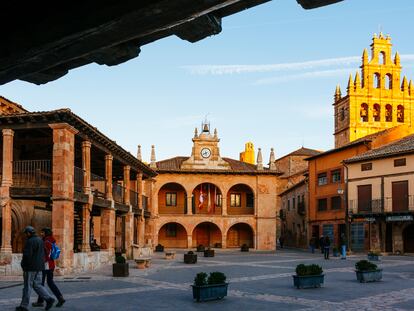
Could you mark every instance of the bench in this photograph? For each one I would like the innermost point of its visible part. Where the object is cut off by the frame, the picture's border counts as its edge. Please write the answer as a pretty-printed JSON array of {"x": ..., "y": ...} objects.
[
  {"x": 143, "y": 263},
  {"x": 169, "y": 255}
]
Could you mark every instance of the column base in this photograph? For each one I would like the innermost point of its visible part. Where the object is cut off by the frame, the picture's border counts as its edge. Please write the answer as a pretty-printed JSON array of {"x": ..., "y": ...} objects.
[
  {"x": 5, "y": 256},
  {"x": 85, "y": 248}
]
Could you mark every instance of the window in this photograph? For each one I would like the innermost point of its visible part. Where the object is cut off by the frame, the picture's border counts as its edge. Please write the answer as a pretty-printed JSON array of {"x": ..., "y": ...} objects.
[
  {"x": 235, "y": 199},
  {"x": 400, "y": 113},
  {"x": 322, "y": 179},
  {"x": 366, "y": 166},
  {"x": 171, "y": 230},
  {"x": 288, "y": 205},
  {"x": 219, "y": 200},
  {"x": 377, "y": 80},
  {"x": 336, "y": 176},
  {"x": 171, "y": 199},
  {"x": 400, "y": 162},
  {"x": 293, "y": 203},
  {"x": 376, "y": 113},
  {"x": 298, "y": 200},
  {"x": 249, "y": 200},
  {"x": 336, "y": 203},
  {"x": 322, "y": 205},
  {"x": 363, "y": 113},
  {"x": 388, "y": 113},
  {"x": 388, "y": 81},
  {"x": 364, "y": 198},
  {"x": 382, "y": 58}
]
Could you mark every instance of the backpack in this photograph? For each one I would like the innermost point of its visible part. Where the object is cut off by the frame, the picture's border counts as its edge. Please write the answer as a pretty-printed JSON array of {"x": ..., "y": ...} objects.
[{"x": 55, "y": 251}]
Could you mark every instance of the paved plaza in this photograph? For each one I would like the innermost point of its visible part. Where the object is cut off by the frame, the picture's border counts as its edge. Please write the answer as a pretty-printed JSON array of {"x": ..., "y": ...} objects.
[{"x": 258, "y": 281}]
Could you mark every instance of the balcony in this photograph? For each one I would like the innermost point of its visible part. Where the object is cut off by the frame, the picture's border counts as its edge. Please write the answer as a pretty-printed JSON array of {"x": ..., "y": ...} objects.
[
  {"x": 118, "y": 193},
  {"x": 31, "y": 178},
  {"x": 366, "y": 206},
  {"x": 301, "y": 208}
]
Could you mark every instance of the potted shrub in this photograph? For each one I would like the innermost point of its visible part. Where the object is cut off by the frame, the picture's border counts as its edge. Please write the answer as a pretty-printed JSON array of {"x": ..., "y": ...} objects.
[
  {"x": 374, "y": 255},
  {"x": 367, "y": 271},
  {"x": 201, "y": 248},
  {"x": 213, "y": 287},
  {"x": 120, "y": 268},
  {"x": 209, "y": 252},
  {"x": 190, "y": 257},
  {"x": 244, "y": 248},
  {"x": 159, "y": 248},
  {"x": 308, "y": 276},
  {"x": 335, "y": 251}
]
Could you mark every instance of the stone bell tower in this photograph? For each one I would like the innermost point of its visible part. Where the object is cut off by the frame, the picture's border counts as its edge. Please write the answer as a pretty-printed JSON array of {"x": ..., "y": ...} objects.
[
  {"x": 205, "y": 153},
  {"x": 377, "y": 99}
]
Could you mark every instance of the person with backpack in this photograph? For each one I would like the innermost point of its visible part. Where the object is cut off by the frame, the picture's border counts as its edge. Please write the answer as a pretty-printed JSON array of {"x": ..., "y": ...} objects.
[
  {"x": 32, "y": 263},
  {"x": 51, "y": 253}
]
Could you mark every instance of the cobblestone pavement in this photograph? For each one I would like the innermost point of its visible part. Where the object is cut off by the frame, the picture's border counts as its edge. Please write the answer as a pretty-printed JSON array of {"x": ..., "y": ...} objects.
[{"x": 258, "y": 281}]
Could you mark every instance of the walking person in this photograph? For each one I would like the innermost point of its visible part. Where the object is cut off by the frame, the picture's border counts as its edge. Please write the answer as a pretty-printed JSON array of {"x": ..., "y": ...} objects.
[
  {"x": 47, "y": 273},
  {"x": 321, "y": 241},
  {"x": 326, "y": 245},
  {"x": 312, "y": 243},
  {"x": 343, "y": 246},
  {"x": 32, "y": 264}
]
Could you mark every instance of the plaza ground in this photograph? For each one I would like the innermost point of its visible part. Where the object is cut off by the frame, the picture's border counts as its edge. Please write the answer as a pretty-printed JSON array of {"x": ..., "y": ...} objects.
[{"x": 258, "y": 281}]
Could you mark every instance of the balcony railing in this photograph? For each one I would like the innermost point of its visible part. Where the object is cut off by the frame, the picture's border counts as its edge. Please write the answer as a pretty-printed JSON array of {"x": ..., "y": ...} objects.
[
  {"x": 399, "y": 204},
  {"x": 133, "y": 198},
  {"x": 366, "y": 206},
  {"x": 32, "y": 174},
  {"x": 118, "y": 192},
  {"x": 78, "y": 179},
  {"x": 145, "y": 203},
  {"x": 98, "y": 185}
]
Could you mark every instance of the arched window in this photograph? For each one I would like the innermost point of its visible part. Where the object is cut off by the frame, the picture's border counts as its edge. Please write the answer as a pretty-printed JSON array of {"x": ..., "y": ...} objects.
[
  {"x": 377, "y": 80},
  {"x": 400, "y": 113},
  {"x": 388, "y": 113},
  {"x": 388, "y": 81},
  {"x": 376, "y": 113},
  {"x": 382, "y": 58},
  {"x": 364, "y": 113}
]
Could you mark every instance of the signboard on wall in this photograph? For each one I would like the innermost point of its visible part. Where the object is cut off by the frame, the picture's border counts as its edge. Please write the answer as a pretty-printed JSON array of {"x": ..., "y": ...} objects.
[{"x": 399, "y": 218}]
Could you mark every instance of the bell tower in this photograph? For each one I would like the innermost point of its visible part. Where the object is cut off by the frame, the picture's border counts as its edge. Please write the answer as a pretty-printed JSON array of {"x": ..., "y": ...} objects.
[{"x": 376, "y": 99}]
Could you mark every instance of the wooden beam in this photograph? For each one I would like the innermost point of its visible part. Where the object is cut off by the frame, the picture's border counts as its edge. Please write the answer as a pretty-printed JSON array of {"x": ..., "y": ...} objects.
[
  {"x": 313, "y": 4},
  {"x": 200, "y": 28}
]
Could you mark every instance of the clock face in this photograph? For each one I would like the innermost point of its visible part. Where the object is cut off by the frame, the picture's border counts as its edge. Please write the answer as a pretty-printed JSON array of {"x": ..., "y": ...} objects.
[{"x": 205, "y": 153}]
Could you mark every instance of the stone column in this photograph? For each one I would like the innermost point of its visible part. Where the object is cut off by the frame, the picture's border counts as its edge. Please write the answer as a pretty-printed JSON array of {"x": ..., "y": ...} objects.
[
  {"x": 129, "y": 233},
  {"x": 86, "y": 228},
  {"x": 63, "y": 191},
  {"x": 189, "y": 241},
  {"x": 108, "y": 176},
  {"x": 190, "y": 205},
  {"x": 5, "y": 204},
  {"x": 108, "y": 229},
  {"x": 86, "y": 166},
  {"x": 139, "y": 189},
  {"x": 224, "y": 205},
  {"x": 141, "y": 231},
  {"x": 127, "y": 170},
  {"x": 224, "y": 241}
]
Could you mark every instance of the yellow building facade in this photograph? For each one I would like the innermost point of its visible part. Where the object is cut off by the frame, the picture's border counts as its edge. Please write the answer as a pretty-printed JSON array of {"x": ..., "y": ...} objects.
[
  {"x": 376, "y": 99},
  {"x": 248, "y": 155}
]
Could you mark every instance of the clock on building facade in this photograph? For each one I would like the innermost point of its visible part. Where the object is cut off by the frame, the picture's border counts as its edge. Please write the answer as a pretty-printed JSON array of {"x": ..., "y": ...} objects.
[{"x": 205, "y": 153}]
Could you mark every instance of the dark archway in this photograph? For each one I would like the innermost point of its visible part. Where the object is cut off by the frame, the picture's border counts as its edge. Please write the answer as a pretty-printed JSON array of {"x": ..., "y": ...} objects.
[
  {"x": 207, "y": 234},
  {"x": 173, "y": 235},
  {"x": 240, "y": 234},
  {"x": 408, "y": 238}
]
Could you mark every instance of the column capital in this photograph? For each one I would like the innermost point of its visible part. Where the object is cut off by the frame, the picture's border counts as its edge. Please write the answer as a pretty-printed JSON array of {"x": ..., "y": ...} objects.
[
  {"x": 8, "y": 132},
  {"x": 109, "y": 157},
  {"x": 86, "y": 144},
  {"x": 127, "y": 167},
  {"x": 63, "y": 126}
]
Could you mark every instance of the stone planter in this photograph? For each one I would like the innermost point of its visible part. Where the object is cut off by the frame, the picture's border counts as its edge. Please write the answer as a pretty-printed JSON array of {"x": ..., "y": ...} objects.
[
  {"x": 374, "y": 257},
  {"x": 209, "y": 253},
  {"x": 143, "y": 263},
  {"x": 308, "y": 281},
  {"x": 209, "y": 292},
  {"x": 159, "y": 248},
  {"x": 120, "y": 269},
  {"x": 369, "y": 276},
  {"x": 244, "y": 248},
  {"x": 190, "y": 258},
  {"x": 200, "y": 248},
  {"x": 169, "y": 255}
]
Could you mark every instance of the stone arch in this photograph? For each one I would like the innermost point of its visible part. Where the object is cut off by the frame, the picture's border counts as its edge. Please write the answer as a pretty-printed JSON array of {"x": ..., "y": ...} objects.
[
  {"x": 376, "y": 113},
  {"x": 239, "y": 234},
  {"x": 400, "y": 113},
  {"x": 388, "y": 113},
  {"x": 408, "y": 238},
  {"x": 388, "y": 81},
  {"x": 377, "y": 80},
  {"x": 382, "y": 58},
  {"x": 207, "y": 198},
  {"x": 173, "y": 234},
  {"x": 363, "y": 113},
  {"x": 172, "y": 198},
  {"x": 208, "y": 234},
  {"x": 21, "y": 217},
  {"x": 240, "y": 199}
]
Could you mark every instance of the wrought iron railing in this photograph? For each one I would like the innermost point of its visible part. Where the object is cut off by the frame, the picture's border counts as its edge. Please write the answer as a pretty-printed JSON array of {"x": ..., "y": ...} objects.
[
  {"x": 118, "y": 192},
  {"x": 98, "y": 185},
  {"x": 399, "y": 204},
  {"x": 32, "y": 174},
  {"x": 133, "y": 198},
  {"x": 366, "y": 206},
  {"x": 78, "y": 179}
]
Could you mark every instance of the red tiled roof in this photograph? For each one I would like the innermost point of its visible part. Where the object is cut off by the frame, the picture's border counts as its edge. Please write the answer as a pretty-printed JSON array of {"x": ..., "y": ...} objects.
[{"x": 302, "y": 152}]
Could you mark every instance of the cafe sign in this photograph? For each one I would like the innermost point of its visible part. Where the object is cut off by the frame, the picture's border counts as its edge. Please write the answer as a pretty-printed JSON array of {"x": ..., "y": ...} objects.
[{"x": 399, "y": 218}]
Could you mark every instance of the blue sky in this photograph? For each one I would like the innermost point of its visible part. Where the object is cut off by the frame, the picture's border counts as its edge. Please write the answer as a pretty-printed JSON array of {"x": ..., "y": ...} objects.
[{"x": 269, "y": 77}]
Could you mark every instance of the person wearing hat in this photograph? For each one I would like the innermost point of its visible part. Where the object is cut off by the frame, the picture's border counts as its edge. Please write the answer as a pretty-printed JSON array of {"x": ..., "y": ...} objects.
[
  {"x": 47, "y": 273},
  {"x": 33, "y": 263}
]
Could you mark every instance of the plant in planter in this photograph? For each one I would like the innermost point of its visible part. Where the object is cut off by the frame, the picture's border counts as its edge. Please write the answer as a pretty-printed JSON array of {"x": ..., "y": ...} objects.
[
  {"x": 335, "y": 251},
  {"x": 244, "y": 248},
  {"x": 374, "y": 255},
  {"x": 209, "y": 288},
  {"x": 367, "y": 271},
  {"x": 201, "y": 248},
  {"x": 308, "y": 276},
  {"x": 190, "y": 257},
  {"x": 209, "y": 252},
  {"x": 159, "y": 248},
  {"x": 120, "y": 268}
]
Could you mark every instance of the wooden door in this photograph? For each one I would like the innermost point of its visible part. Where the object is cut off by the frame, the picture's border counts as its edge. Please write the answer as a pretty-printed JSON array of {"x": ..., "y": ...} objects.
[
  {"x": 203, "y": 235},
  {"x": 400, "y": 196},
  {"x": 364, "y": 198},
  {"x": 233, "y": 239}
]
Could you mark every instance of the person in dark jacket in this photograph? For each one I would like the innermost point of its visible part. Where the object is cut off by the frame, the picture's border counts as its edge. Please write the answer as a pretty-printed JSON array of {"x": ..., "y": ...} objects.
[
  {"x": 47, "y": 273},
  {"x": 321, "y": 240},
  {"x": 326, "y": 246},
  {"x": 32, "y": 264}
]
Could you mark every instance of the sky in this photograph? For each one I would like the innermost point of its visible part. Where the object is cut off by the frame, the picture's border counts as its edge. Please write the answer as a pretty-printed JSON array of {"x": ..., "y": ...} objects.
[{"x": 268, "y": 77}]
